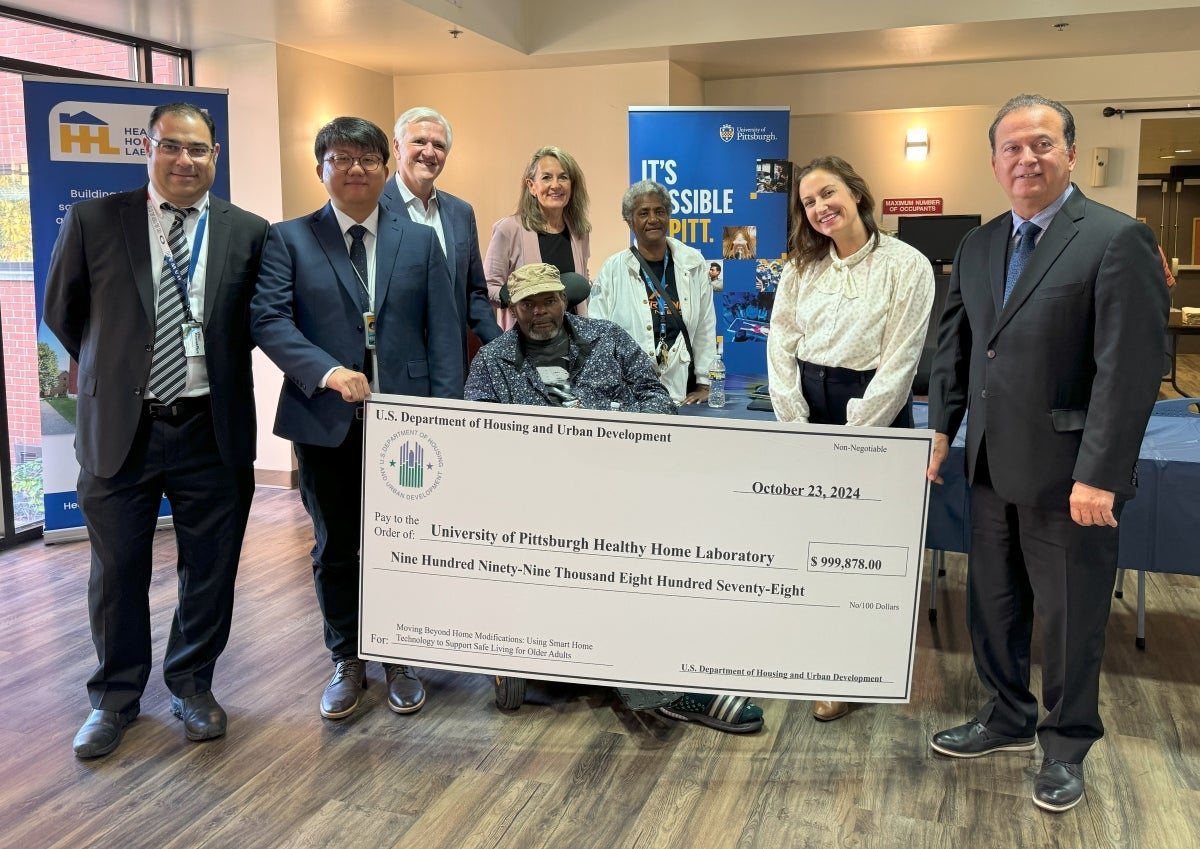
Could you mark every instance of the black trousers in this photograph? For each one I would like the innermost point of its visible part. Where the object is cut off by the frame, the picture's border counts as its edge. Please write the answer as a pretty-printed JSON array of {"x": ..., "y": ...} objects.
[
  {"x": 331, "y": 491},
  {"x": 1032, "y": 564},
  {"x": 828, "y": 390},
  {"x": 210, "y": 503}
]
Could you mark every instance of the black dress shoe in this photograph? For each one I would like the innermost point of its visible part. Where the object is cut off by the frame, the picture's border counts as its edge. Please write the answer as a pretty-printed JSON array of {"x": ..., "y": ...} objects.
[
  {"x": 102, "y": 731},
  {"x": 973, "y": 740},
  {"x": 203, "y": 718},
  {"x": 1058, "y": 786},
  {"x": 341, "y": 695},
  {"x": 406, "y": 693}
]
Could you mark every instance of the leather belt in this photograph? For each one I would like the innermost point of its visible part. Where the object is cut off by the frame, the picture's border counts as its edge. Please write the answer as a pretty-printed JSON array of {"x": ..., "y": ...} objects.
[{"x": 178, "y": 410}]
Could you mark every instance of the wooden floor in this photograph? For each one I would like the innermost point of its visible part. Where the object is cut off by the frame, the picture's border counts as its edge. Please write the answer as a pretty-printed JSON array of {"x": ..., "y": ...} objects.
[{"x": 572, "y": 768}]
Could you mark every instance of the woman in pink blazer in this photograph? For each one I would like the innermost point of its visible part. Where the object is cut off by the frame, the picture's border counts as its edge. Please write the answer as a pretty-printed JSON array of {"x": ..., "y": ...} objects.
[{"x": 550, "y": 225}]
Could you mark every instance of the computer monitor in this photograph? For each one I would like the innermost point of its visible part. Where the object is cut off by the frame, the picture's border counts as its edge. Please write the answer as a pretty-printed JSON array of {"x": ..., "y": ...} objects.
[{"x": 936, "y": 236}]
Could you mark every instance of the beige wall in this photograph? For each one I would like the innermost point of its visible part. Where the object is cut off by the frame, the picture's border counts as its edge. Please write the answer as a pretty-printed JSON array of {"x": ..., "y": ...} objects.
[
  {"x": 685, "y": 88},
  {"x": 312, "y": 91},
  {"x": 500, "y": 119}
]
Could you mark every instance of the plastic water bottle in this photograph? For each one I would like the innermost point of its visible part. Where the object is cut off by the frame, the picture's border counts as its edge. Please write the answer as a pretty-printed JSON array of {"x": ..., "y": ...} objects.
[{"x": 716, "y": 378}]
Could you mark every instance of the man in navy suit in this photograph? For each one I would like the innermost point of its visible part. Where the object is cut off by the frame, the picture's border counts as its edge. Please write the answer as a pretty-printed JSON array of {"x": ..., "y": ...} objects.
[
  {"x": 351, "y": 299},
  {"x": 166, "y": 407},
  {"x": 1050, "y": 337},
  {"x": 422, "y": 140}
]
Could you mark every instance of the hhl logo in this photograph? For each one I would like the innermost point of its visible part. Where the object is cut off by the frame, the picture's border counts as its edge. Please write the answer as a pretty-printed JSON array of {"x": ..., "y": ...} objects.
[
  {"x": 84, "y": 133},
  {"x": 89, "y": 131}
]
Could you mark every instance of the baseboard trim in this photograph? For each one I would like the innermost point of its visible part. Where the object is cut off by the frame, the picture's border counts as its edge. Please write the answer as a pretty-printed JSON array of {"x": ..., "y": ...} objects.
[{"x": 276, "y": 478}]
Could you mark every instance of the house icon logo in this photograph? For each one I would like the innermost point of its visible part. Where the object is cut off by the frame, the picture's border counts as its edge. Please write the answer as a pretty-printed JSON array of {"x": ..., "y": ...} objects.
[
  {"x": 112, "y": 133},
  {"x": 83, "y": 132}
]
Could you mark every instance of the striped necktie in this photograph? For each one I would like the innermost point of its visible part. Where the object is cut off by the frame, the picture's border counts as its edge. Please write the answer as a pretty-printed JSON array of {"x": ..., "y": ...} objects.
[{"x": 168, "y": 366}]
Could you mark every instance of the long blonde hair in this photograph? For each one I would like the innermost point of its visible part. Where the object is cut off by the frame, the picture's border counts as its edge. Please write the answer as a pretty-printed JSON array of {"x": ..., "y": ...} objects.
[{"x": 576, "y": 212}]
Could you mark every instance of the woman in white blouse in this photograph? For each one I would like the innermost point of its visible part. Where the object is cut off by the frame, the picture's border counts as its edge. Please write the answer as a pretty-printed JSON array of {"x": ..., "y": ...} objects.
[{"x": 850, "y": 315}]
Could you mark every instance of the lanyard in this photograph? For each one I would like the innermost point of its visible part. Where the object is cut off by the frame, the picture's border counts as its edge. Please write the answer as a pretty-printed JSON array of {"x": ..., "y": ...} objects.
[
  {"x": 181, "y": 284},
  {"x": 362, "y": 284},
  {"x": 657, "y": 289}
]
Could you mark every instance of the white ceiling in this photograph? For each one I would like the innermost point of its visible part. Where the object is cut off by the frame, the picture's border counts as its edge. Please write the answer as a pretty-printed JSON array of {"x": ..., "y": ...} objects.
[{"x": 714, "y": 39}]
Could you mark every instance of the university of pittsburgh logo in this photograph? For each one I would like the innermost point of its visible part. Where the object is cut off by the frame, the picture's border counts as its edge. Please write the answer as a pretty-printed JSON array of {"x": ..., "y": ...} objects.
[
  {"x": 410, "y": 464},
  {"x": 726, "y": 132}
]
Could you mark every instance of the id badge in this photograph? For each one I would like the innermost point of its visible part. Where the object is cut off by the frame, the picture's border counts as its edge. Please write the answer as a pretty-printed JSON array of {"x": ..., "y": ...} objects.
[
  {"x": 369, "y": 330},
  {"x": 193, "y": 339}
]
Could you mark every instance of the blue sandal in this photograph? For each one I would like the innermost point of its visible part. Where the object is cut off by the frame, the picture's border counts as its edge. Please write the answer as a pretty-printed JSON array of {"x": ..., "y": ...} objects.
[{"x": 731, "y": 714}]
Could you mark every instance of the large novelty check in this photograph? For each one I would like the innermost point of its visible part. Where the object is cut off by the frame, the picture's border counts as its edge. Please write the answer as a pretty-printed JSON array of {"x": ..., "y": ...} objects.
[{"x": 646, "y": 551}]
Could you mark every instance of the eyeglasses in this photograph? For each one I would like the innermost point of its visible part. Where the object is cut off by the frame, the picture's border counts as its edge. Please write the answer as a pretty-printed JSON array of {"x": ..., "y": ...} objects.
[
  {"x": 198, "y": 152},
  {"x": 1039, "y": 148},
  {"x": 342, "y": 162}
]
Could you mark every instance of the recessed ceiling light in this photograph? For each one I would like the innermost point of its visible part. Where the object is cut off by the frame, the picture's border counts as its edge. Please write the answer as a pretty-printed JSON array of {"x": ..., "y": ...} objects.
[
  {"x": 1185, "y": 150},
  {"x": 1172, "y": 156}
]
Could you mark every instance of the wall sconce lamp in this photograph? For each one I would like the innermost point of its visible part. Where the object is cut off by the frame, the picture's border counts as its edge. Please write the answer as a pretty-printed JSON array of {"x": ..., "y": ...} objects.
[{"x": 916, "y": 144}]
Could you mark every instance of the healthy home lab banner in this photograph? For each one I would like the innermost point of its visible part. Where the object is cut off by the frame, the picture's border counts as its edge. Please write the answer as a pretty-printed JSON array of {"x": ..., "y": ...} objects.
[
  {"x": 728, "y": 175},
  {"x": 85, "y": 140}
]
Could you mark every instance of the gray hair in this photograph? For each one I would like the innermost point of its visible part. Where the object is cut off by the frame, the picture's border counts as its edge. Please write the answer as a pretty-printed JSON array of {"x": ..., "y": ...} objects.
[
  {"x": 423, "y": 113},
  {"x": 1028, "y": 101},
  {"x": 638, "y": 191}
]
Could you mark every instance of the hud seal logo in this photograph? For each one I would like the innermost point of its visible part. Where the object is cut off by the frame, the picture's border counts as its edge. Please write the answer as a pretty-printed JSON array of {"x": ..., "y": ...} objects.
[
  {"x": 410, "y": 464},
  {"x": 726, "y": 132}
]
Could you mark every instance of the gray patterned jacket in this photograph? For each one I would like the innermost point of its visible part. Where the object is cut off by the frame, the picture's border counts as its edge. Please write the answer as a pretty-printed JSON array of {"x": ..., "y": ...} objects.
[{"x": 606, "y": 366}]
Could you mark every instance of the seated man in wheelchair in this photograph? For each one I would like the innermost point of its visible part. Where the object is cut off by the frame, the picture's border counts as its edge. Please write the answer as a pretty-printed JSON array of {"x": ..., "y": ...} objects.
[{"x": 553, "y": 358}]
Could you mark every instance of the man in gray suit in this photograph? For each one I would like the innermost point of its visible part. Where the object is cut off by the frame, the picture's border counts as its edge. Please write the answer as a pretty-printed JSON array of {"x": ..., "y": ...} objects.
[
  {"x": 422, "y": 139},
  {"x": 149, "y": 291},
  {"x": 351, "y": 299},
  {"x": 1050, "y": 337}
]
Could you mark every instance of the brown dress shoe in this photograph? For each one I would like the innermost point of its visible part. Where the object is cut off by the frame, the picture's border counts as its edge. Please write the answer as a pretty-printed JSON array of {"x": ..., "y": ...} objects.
[
  {"x": 341, "y": 695},
  {"x": 826, "y": 711},
  {"x": 406, "y": 693}
]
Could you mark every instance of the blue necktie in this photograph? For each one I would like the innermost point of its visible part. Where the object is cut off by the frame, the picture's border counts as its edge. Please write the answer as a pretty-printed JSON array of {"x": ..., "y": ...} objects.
[{"x": 1027, "y": 234}]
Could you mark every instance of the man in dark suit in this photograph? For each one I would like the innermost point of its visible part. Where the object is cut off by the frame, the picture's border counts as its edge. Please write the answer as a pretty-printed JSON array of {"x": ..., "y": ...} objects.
[
  {"x": 422, "y": 139},
  {"x": 1050, "y": 337},
  {"x": 351, "y": 299},
  {"x": 150, "y": 291}
]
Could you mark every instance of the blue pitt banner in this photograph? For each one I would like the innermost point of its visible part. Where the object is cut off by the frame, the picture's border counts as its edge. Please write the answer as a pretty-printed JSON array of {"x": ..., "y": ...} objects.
[
  {"x": 728, "y": 175},
  {"x": 85, "y": 140}
]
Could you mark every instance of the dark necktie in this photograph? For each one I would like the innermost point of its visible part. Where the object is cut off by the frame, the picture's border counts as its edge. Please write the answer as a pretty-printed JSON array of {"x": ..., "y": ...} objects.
[
  {"x": 1027, "y": 240},
  {"x": 168, "y": 365},
  {"x": 358, "y": 258}
]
